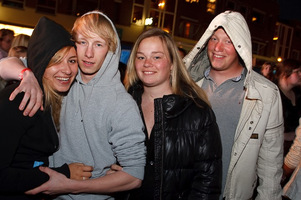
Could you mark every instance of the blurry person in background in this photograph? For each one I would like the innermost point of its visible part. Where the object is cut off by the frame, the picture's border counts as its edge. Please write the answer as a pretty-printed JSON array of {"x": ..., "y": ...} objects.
[
  {"x": 20, "y": 40},
  {"x": 19, "y": 46},
  {"x": 291, "y": 168},
  {"x": 18, "y": 51},
  {"x": 182, "y": 52},
  {"x": 6, "y": 39},
  {"x": 288, "y": 78},
  {"x": 267, "y": 70}
]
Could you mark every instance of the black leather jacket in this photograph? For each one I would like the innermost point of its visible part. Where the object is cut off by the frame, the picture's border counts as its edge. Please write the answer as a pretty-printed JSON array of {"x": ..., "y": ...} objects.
[{"x": 187, "y": 149}]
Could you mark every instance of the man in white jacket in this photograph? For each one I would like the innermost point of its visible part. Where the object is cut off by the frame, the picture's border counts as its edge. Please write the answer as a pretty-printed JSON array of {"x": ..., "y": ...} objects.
[{"x": 247, "y": 107}]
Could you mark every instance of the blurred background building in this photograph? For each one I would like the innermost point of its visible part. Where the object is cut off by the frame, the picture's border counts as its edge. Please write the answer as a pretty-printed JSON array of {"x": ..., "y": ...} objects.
[{"x": 185, "y": 20}]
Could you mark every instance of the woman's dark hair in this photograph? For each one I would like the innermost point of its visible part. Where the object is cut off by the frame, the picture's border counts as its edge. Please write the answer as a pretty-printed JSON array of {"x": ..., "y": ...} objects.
[{"x": 286, "y": 68}]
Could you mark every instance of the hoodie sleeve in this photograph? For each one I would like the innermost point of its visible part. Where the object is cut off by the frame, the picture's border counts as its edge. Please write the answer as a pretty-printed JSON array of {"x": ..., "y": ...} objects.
[{"x": 127, "y": 138}]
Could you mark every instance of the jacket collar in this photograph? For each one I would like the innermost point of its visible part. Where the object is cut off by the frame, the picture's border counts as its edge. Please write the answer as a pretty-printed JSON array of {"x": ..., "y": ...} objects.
[{"x": 173, "y": 105}]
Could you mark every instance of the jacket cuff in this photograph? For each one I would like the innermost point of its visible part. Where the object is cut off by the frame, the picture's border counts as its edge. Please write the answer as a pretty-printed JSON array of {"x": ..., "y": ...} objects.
[{"x": 64, "y": 169}]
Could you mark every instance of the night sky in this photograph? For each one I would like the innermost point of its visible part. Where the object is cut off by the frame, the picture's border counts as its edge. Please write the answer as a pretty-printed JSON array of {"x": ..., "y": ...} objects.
[{"x": 290, "y": 9}]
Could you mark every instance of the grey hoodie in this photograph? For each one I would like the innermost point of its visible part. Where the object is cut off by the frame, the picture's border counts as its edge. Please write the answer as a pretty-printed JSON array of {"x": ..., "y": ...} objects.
[{"x": 101, "y": 124}]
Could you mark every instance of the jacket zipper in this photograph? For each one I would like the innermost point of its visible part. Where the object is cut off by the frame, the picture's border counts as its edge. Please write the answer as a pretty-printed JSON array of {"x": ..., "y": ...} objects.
[{"x": 163, "y": 147}]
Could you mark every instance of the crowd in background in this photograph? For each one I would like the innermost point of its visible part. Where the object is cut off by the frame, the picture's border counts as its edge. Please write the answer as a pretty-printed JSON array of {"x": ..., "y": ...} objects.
[{"x": 11, "y": 45}]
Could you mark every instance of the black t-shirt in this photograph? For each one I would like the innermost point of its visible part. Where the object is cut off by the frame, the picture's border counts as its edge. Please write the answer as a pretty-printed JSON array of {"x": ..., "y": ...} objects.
[{"x": 146, "y": 191}]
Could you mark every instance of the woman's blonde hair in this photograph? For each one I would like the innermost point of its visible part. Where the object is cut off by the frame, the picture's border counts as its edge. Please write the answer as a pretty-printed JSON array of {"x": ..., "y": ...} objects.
[
  {"x": 19, "y": 46},
  {"x": 181, "y": 82},
  {"x": 20, "y": 40},
  {"x": 17, "y": 51},
  {"x": 53, "y": 99},
  {"x": 95, "y": 22}
]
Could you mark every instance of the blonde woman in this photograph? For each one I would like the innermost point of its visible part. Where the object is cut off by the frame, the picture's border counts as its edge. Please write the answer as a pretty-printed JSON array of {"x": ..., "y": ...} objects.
[
  {"x": 289, "y": 82},
  {"x": 183, "y": 141}
]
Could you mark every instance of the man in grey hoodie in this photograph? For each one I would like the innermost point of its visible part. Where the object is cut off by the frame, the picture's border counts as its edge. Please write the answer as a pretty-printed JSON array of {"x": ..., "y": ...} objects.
[
  {"x": 247, "y": 106},
  {"x": 100, "y": 122}
]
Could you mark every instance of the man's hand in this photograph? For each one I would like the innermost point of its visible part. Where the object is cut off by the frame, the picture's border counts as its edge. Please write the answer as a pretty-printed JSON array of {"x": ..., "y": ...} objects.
[
  {"x": 33, "y": 93},
  {"x": 79, "y": 171},
  {"x": 57, "y": 184}
]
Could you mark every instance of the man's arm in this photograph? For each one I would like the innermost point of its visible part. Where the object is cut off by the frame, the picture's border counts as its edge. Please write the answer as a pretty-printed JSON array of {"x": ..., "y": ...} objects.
[
  {"x": 10, "y": 69},
  {"x": 60, "y": 184},
  {"x": 293, "y": 157}
]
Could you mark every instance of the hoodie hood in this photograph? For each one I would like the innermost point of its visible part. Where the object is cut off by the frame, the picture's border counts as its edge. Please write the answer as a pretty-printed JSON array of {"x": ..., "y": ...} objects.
[
  {"x": 237, "y": 29},
  {"x": 108, "y": 73},
  {"x": 47, "y": 38}
]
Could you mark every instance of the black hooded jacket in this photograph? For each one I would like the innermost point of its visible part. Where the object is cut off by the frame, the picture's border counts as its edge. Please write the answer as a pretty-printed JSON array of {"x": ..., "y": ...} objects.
[{"x": 27, "y": 142}]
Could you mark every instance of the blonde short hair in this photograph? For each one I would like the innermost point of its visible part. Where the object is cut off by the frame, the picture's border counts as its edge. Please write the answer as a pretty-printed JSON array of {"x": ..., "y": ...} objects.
[
  {"x": 20, "y": 40},
  {"x": 95, "y": 22}
]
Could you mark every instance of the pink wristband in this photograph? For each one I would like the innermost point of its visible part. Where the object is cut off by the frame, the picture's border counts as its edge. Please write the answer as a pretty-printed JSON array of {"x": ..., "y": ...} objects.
[{"x": 22, "y": 72}]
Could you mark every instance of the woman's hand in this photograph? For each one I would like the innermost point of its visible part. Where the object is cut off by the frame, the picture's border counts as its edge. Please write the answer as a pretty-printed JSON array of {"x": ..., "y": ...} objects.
[
  {"x": 114, "y": 168},
  {"x": 33, "y": 93},
  {"x": 79, "y": 171}
]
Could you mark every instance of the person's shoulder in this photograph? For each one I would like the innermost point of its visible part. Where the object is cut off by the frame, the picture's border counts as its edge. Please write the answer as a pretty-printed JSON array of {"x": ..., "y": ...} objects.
[
  {"x": 199, "y": 107},
  {"x": 10, "y": 109},
  {"x": 121, "y": 98},
  {"x": 264, "y": 82},
  {"x": 122, "y": 94}
]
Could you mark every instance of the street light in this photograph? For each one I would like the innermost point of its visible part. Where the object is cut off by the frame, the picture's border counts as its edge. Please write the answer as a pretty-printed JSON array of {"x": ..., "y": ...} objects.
[
  {"x": 148, "y": 21},
  {"x": 279, "y": 59},
  {"x": 161, "y": 5}
]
